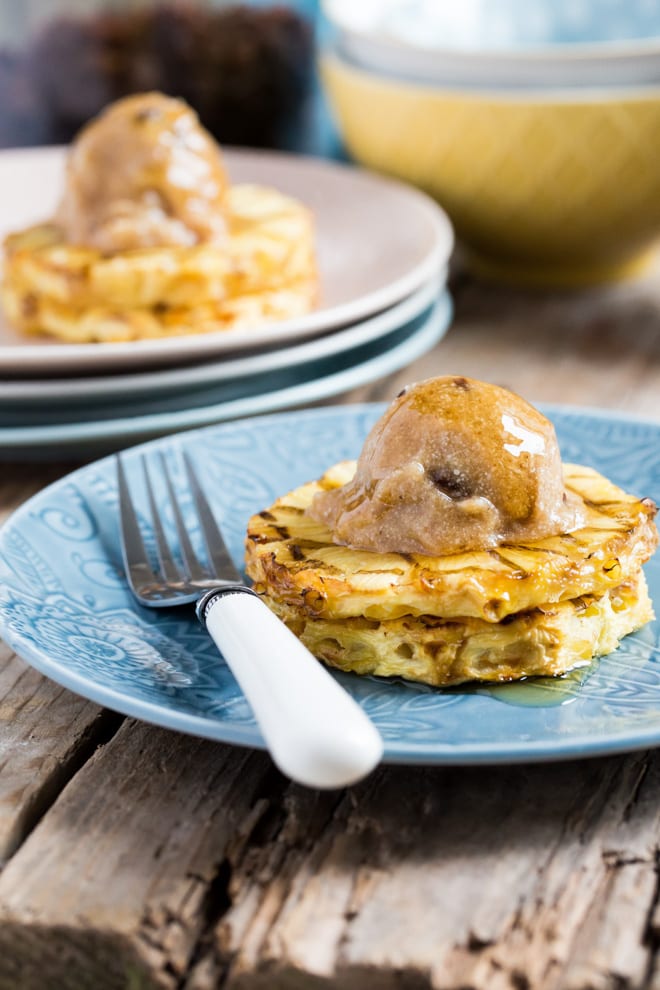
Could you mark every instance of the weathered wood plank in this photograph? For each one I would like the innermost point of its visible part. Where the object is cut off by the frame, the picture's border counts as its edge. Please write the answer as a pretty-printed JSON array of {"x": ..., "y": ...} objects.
[
  {"x": 117, "y": 884},
  {"x": 541, "y": 877},
  {"x": 393, "y": 874},
  {"x": 46, "y": 734}
]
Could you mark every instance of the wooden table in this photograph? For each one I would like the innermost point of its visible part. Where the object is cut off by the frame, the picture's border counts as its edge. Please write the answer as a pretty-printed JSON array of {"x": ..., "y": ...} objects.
[{"x": 138, "y": 858}]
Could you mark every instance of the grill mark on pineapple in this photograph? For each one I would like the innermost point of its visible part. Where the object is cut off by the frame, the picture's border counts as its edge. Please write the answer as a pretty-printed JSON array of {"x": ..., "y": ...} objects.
[
  {"x": 516, "y": 568},
  {"x": 306, "y": 547},
  {"x": 531, "y": 548},
  {"x": 602, "y": 506},
  {"x": 307, "y": 563},
  {"x": 260, "y": 538}
]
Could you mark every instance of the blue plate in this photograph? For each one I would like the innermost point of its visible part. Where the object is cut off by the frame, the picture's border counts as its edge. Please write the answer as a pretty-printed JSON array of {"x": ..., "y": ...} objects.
[{"x": 65, "y": 607}]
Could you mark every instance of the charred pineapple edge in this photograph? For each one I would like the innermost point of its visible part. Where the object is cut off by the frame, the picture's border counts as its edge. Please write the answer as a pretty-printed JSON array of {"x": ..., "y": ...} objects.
[{"x": 546, "y": 641}]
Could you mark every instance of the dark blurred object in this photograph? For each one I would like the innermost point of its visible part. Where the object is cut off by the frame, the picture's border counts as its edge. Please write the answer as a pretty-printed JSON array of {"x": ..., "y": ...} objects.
[
  {"x": 22, "y": 120},
  {"x": 249, "y": 72}
]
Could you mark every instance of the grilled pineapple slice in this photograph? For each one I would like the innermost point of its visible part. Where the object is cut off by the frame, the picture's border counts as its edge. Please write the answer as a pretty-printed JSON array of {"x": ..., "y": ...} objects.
[
  {"x": 265, "y": 271},
  {"x": 544, "y": 641},
  {"x": 40, "y": 314},
  {"x": 293, "y": 560}
]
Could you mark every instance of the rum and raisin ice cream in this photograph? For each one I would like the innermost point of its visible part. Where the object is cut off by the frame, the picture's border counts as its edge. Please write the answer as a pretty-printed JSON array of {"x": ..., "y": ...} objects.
[
  {"x": 144, "y": 174},
  {"x": 453, "y": 465}
]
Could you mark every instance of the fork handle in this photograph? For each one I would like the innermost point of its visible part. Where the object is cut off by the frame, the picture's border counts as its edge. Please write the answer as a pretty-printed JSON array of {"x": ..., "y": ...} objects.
[{"x": 316, "y": 733}]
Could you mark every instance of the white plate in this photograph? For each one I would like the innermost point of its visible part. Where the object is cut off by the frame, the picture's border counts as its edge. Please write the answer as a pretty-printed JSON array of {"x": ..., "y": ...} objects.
[
  {"x": 377, "y": 240},
  {"x": 330, "y": 376},
  {"x": 21, "y": 394}
]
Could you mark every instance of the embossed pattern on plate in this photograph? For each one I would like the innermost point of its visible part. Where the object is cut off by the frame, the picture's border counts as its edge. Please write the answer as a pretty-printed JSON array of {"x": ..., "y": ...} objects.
[{"x": 65, "y": 607}]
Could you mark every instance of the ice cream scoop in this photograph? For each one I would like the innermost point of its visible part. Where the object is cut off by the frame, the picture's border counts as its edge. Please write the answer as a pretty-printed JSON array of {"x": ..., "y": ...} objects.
[
  {"x": 453, "y": 465},
  {"x": 144, "y": 174}
]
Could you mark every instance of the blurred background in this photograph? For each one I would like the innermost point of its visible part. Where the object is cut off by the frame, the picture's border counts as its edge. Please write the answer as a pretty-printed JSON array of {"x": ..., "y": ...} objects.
[
  {"x": 248, "y": 69},
  {"x": 536, "y": 124}
]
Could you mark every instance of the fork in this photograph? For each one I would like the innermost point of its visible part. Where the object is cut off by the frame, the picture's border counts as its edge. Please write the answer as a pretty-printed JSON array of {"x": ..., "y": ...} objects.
[{"x": 315, "y": 732}]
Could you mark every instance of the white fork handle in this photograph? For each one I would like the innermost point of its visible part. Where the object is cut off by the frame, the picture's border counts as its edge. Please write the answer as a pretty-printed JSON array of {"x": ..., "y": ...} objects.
[{"x": 316, "y": 733}]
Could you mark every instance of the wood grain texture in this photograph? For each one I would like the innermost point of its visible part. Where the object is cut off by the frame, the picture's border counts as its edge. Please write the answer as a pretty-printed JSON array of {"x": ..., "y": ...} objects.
[
  {"x": 116, "y": 885},
  {"x": 443, "y": 879},
  {"x": 46, "y": 734},
  {"x": 138, "y": 858},
  {"x": 196, "y": 866}
]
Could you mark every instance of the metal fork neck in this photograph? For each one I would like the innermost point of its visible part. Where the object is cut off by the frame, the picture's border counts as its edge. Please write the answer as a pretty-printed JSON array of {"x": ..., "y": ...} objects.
[{"x": 206, "y": 602}]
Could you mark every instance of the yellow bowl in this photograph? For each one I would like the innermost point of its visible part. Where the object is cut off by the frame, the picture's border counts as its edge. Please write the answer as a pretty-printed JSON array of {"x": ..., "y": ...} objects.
[{"x": 556, "y": 188}]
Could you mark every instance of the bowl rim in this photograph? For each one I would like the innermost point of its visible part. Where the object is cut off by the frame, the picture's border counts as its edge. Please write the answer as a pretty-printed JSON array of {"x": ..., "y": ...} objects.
[
  {"x": 629, "y": 49},
  {"x": 544, "y": 94}
]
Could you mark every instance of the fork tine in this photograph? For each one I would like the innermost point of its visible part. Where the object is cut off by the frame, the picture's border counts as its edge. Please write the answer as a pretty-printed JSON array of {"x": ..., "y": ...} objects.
[
  {"x": 136, "y": 559},
  {"x": 195, "y": 570},
  {"x": 216, "y": 548},
  {"x": 169, "y": 568}
]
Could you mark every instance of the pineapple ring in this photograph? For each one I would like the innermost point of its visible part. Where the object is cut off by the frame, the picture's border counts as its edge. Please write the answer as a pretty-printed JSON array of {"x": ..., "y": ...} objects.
[
  {"x": 544, "y": 641},
  {"x": 292, "y": 559},
  {"x": 58, "y": 288}
]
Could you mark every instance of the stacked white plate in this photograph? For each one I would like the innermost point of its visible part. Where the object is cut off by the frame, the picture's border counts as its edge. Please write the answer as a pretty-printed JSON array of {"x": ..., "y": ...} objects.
[{"x": 382, "y": 249}]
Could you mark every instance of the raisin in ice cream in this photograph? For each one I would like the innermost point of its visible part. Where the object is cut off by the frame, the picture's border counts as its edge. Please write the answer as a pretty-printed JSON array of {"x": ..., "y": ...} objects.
[
  {"x": 144, "y": 174},
  {"x": 453, "y": 465}
]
